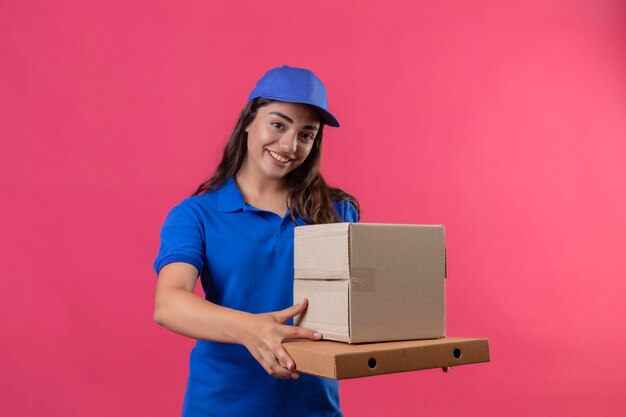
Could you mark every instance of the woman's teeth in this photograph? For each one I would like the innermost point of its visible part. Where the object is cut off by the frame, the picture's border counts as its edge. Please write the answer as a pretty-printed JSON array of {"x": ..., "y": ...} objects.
[{"x": 278, "y": 157}]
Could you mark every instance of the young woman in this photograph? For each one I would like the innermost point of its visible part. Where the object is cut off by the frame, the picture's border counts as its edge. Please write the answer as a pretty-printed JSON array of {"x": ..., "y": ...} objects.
[{"x": 236, "y": 232}]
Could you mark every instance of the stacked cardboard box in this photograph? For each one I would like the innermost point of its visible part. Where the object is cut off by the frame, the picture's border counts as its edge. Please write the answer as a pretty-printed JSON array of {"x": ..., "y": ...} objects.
[{"x": 369, "y": 282}]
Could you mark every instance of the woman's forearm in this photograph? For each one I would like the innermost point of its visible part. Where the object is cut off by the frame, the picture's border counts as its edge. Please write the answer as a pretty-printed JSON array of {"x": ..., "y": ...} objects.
[
  {"x": 183, "y": 312},
  {"x": 187, "y": 314}
]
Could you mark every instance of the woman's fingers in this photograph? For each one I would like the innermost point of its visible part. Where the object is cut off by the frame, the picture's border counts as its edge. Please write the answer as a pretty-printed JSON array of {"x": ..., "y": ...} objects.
[
  {"x": 294, "y": 332},
  {"x": 285, "y": 315},
  {"x": 275, "y": 365},
  {"x": 284, "y": 360}
]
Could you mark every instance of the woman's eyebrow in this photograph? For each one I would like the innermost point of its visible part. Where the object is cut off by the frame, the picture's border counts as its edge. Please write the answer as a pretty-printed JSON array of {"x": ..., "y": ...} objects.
[{"x": 287, "y": 118}]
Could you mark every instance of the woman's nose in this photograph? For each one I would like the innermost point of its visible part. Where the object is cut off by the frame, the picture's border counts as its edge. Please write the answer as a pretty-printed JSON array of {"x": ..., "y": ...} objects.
[{"x": 289, "y": 142}]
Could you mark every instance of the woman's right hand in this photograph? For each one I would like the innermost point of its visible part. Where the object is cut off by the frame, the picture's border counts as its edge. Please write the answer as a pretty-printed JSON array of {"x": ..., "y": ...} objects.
[{"x": 264, "y": 334}]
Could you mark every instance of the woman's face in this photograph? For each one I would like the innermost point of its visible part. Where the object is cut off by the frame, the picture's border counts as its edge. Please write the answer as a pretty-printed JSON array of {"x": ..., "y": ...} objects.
[{"x": 280, "y": 138}]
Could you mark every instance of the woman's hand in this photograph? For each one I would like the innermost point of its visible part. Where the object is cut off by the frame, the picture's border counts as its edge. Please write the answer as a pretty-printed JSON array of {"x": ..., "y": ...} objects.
[{"x": 264, "y": 334}]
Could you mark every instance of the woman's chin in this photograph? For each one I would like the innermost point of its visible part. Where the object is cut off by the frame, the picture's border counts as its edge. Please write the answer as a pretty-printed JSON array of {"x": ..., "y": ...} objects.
[
  {"x": 274, "y": 174},
  {"x": 275, "y": 171}
]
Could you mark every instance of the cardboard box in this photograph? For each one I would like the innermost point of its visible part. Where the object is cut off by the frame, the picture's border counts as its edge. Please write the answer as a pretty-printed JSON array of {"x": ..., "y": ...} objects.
[
  {"x": 371, "y": 282},
  {"x": 336, "y": 360}
]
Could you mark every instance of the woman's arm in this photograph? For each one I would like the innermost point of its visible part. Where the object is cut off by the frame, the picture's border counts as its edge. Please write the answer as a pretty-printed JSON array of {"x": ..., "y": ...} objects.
[{"x": 178, "y": 309}]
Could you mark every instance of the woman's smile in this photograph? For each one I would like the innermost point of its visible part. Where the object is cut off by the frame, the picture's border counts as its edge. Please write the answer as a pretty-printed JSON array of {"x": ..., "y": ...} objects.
[{"x": 278, "y": 158}]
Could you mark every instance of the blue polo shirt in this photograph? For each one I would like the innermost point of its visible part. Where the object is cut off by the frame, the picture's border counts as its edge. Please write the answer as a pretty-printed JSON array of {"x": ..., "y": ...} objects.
[{"x": 244, "y": 256}]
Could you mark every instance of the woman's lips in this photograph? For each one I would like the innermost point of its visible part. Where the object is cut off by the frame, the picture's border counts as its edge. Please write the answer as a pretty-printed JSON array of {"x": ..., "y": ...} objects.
[{"x": 278, "y": 158}]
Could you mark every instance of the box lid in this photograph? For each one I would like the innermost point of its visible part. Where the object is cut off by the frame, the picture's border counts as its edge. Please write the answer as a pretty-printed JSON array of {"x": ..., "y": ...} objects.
[{"x": 337, "y": 360}]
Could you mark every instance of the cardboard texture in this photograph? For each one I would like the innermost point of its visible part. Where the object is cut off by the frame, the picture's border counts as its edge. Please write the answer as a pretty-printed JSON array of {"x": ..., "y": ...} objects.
[
  {"x": 371, "y": 282},
  {"x": 337, "y": 360}
]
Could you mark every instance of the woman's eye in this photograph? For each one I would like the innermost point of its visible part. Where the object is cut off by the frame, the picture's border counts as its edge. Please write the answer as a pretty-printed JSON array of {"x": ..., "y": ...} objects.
[
  {"x": 307, "y": 136},
  {"x": 277, "y": 125}
]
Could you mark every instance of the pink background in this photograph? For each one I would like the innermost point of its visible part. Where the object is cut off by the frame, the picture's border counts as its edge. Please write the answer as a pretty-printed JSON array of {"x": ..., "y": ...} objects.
[{"x": 504, "y": 121}]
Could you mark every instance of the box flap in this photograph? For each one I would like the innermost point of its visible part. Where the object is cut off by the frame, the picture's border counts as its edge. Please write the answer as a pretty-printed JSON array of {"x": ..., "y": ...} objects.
[{"x": 321, "y": 251}]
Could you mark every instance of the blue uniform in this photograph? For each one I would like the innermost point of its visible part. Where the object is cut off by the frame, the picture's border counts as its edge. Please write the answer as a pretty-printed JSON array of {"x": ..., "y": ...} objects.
[{"x": 245, "y": 258}]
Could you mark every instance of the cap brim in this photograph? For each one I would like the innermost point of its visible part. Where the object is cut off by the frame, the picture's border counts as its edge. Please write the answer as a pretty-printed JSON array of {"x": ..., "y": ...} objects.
[{"x": 327, "y": 118}]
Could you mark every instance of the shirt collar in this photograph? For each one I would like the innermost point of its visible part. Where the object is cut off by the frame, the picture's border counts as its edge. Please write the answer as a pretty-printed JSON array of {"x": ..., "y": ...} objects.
[{"x": 229, "y": 198}]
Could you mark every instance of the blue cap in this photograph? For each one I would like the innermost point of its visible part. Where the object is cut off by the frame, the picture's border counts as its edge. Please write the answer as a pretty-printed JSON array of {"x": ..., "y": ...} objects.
[{"x": 295, "y": 85}]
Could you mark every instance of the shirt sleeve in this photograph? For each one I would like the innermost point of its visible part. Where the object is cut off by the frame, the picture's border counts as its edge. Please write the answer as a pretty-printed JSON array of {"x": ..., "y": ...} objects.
[
  {"x": 182, "y": 238},
  {"x": 348, "y": 212}
]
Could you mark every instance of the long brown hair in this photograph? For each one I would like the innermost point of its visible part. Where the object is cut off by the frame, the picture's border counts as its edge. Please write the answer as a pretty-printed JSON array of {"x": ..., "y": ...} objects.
[{"x": 309, "y": 196}]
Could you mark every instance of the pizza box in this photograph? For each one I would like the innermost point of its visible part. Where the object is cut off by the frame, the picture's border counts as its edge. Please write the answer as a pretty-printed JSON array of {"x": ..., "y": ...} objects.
[{"x": 339, "y": 360}]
